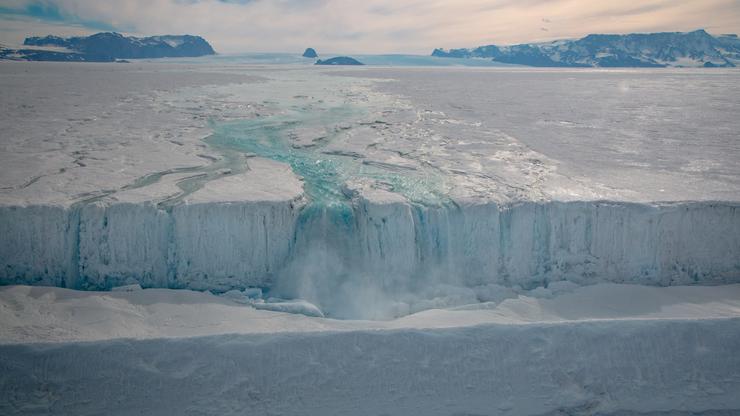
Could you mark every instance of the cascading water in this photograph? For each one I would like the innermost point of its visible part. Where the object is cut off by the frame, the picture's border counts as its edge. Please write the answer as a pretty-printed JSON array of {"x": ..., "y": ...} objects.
[{"x": 340, "y": 251}]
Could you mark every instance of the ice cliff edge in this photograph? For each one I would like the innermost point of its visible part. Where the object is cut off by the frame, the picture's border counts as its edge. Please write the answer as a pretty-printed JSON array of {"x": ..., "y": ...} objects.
[{"x": 318, "y": 254}]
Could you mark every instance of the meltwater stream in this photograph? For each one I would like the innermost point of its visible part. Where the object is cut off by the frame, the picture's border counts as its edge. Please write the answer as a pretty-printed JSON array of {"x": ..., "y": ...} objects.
[
  {"x": 332, "y": 262},
  {"x": 300, "y": 139}
]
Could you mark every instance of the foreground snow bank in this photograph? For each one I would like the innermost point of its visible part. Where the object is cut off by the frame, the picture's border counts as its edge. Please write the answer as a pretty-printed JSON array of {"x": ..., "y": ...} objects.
[
  {"x": 32, "y": 314},
  {"x": 372, "y": 259},
  {"x": 583, "y": 368},
  {"x": 601, "y": 349}
]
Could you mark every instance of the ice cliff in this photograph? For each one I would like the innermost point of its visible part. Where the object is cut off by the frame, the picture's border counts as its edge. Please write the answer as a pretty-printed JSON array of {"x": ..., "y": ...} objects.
[{"x": 376, "y": 248}]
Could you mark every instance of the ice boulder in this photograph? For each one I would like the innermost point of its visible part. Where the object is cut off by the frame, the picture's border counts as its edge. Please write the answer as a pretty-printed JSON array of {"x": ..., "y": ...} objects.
[{"x": 297, "y": 306}]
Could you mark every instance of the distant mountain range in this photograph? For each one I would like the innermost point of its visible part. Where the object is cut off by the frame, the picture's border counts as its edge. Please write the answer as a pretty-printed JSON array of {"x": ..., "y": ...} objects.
[
  {"x": 108, "y": 47},
  {"x": 671, "y": 49}
]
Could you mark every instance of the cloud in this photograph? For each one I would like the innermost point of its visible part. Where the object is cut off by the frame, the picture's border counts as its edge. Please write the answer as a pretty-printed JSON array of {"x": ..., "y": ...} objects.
[
  {"x": 367, "y": 26},
  {"x": 47, "y": 11}
]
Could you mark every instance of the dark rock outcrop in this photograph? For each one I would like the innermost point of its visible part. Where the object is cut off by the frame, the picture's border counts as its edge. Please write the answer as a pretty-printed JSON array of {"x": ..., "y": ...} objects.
[
  {"x": 45, "y": 55},
  {"x": 108, "y": 46},
  {"x": 339, "y": 60},
  {"x": 696, "y": 49},
  {"x": 310, "y": 53}
]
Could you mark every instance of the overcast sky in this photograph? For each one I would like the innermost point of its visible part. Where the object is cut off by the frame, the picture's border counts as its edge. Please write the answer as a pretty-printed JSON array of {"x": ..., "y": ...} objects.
[{"x": 363, "y": 26}]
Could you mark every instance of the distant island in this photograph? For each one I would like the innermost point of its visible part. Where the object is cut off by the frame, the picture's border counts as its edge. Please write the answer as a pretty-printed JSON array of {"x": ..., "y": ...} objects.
[
  {"x": 339, "y": 60},
  {"x": 108, "y": 47},
  {"x": 670, "y": 49},
  {"x": 310, "y": 53}
]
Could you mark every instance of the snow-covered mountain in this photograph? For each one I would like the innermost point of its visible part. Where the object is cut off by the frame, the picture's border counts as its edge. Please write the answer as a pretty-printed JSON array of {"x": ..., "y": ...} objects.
[
  {"x": 109, "y": 46},
  {"x": 669, "y": 49}
]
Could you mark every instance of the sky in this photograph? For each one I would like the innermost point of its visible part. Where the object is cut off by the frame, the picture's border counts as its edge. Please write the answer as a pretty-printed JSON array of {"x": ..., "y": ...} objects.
[{"x": 363, "y": 26}]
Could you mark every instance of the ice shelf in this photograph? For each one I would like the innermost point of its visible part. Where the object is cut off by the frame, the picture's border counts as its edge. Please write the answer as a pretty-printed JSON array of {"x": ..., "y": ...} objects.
[
  {"x": 365, "y": 196},
  {"x": 325, "y": 254}
]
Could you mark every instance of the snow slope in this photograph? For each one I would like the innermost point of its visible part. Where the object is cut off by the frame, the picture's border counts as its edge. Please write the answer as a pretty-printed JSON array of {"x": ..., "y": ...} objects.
[{"x": 605, "y": 349}]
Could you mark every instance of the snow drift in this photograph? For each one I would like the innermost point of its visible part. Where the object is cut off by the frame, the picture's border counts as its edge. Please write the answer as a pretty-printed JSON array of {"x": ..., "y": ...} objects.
[
  {"x": 605, "y": 349},
  {"x": 612, "y": 367}
]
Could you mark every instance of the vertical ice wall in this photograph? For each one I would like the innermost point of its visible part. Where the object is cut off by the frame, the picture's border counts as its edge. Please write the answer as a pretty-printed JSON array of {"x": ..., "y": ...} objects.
[
  {"x": 35, "y": 245},
  {"x": 324, "y": 253},
  {"x": 119, "y": 244},
  {"x": 228, "y": 245}
]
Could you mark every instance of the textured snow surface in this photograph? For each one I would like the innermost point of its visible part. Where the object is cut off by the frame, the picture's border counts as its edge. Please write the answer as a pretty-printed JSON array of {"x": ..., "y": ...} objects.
[
  {"x": 635, "y": 367},
  {"x": 604, "y": 349},
  {"x": 637, "y": 135},
  {"x": 73, "y": 133},
  {"x": 70, "y": 133}
]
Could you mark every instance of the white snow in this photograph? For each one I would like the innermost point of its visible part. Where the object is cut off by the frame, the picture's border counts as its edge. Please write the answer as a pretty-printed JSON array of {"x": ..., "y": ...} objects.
[
  {"x": 127, "y": 288},
  {"x": 48, "y": 314},
  {"x": 601, "y": 349},
  {"x": 265, "y": 180},
  {"x": 297, "y": 306}
]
